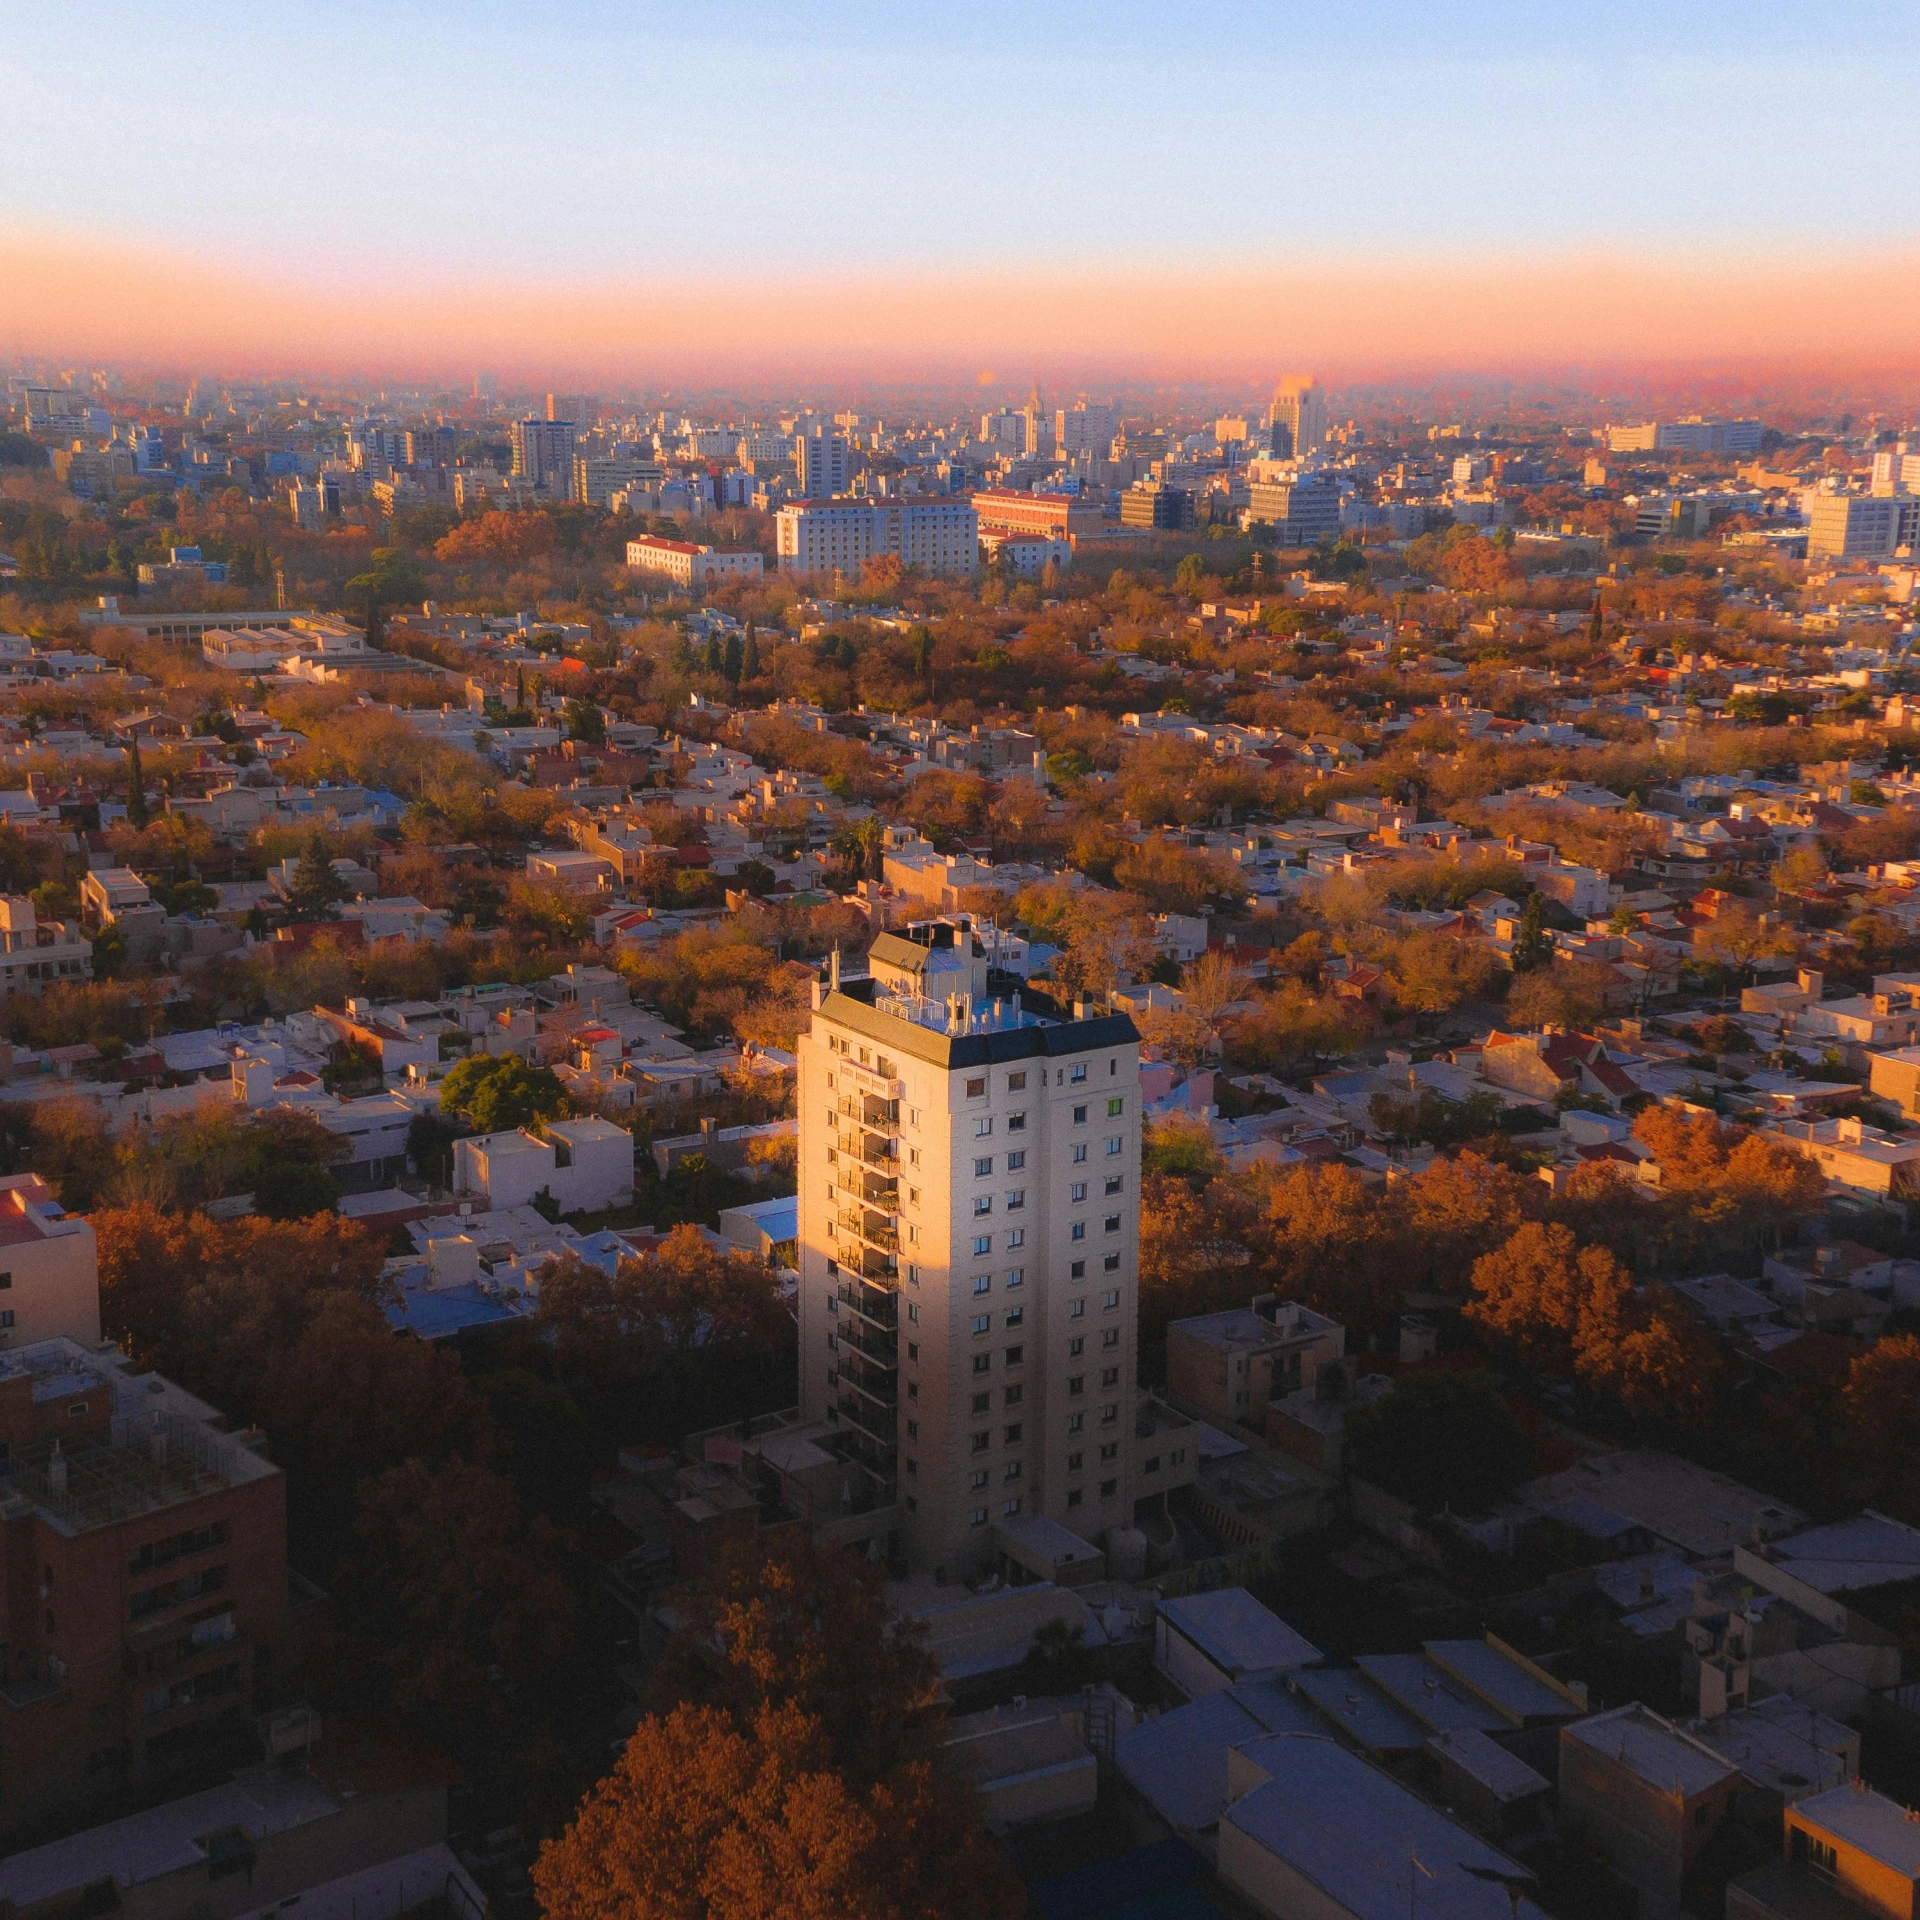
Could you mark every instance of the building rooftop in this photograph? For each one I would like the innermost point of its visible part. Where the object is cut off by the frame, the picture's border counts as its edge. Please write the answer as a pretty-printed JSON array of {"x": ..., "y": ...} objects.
[
  {"x": 166, "y": 1839},
  {"x": 1498, "y": 1677},
  {"x": 1374, "y": 1848},
  {"x": 1362, "y": 1713},
  {"x": 1686, "y": 1506},
  {"x": 1880, "y": 1828},
  {"x": 1780, "y": 1744},
  {"x": 1177, "y": 1761},
  {"x": 1237, "y": 1633},
  {"x": 1415, "y": 1683},
  {"x": 1652, "y": 1749},
  {"x": 1869, "y": 1550},
  {"x": 1486, "y": 1762}
]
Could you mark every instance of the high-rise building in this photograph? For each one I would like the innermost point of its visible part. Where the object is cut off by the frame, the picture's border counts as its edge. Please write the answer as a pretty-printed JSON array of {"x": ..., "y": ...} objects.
[
  {"x": 1084, "y": 429},
  {"x": 1859, "y": 526},
  {"x": 935, "y": 534},
  {"x": 431, "y": 446},
  {"x": 1297, "y": 420},
  {"x": 543, "y": 453},
  {"x": 820, "y": 456},
  {"x": 1036, "y": 439},
  {"x": 580, "y": 408},
  {"x": 1896, "y": 469},
  {"x": 1003, "y": 429},
  {"x": 1301, "y": 512},
  {"x": 969, "y": 1246}
]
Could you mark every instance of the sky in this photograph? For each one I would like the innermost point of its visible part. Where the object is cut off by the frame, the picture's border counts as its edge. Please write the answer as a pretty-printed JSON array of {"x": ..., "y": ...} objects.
[{"x": 1146, "y": 189}]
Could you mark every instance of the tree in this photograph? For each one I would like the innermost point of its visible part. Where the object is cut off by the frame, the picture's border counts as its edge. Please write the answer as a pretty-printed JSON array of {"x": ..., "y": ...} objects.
[
  {"x": 1548, "y": 1296},
  {"x": 293, "y": 1189},
  {"x": 1531, "y": 946},
  {"x": 750, "y": 656},
  {"x": 316, "y": 890},
  {"x": 454, "y": 1598},
  {"x": 494, "y": 1093},
  {"x": 1882, "y": 1433},
  {"x": 136, "y": 788},
  {"x": 1441, "y": 1441}
]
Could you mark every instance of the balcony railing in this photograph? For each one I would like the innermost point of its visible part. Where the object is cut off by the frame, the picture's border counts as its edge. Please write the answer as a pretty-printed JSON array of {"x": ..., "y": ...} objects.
[
  {"x": 883, "y": 1347},
  {"x": 876, "y": 1305},
  {"x": 877, "y": 1385},
  {"x": 875, "y": 1422}
]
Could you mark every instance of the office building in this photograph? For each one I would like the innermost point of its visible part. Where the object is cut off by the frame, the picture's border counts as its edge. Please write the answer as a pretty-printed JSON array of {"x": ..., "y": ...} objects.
[
  {"x": 1694, "y": 434},
  {"x": 430, "y": 446},
  {"x": 1860, "y": 526},
  {"x": 543, "y": 453},
  {"x": 596, "y": 481},
  {"x": 1297, "y": 420},
  {"x": 821, "y": 469},
  {"x": 1084, "y": 430},
  {"x": 578, "y": 408},
  {"x": 691, "y": 566},
  {"x": 1300, "y": 511},
  {"x": 1005, "y": 429},
  {"x": 1056, "y": 516},
  {"x": 938, "y": 534},
  {"x": 1152, "y": 507},
  {"x": 155, "y": 1544},
  {"x": 969, "y": 1248},
  {"x": 1896, "y": 469}
]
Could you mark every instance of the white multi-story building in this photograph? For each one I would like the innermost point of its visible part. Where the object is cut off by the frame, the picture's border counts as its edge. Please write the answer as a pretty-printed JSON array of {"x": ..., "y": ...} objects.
[
  {"x": 1860, "y": 526},
  {"x": 1298, "y": 417},
  {"x": 969, "y": 1247},
  {"x": 543, "y": 453},
  {"x": 1084, "y": 429},
  {"x": 939, "y": 534},
  {"x": 689, "y": 565},
  {"x": 821, "y": 463}
]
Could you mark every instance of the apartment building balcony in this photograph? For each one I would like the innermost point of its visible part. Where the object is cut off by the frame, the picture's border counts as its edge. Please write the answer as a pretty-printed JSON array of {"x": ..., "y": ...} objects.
[
  {"x": 877, "y": 1384},
  {"x": 878, "y": 1306},
  {"x": 876, "y": 1229},
  {"x": 877, "y": 1423},
  {"x": 883, "y": 1347}
]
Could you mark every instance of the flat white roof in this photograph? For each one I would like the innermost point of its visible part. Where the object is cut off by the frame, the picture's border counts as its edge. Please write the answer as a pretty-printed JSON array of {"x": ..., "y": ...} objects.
[
  {"x": 1881, "y": 1828},
  {"x": 1237, "y": 1633},
  {"x": 1647, "y": 1746}
]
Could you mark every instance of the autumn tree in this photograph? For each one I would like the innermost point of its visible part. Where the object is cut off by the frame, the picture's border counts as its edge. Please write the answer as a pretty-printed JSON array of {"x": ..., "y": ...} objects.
[
  {"x": 1546, "y": 1296},
  {"x": 1882, "y": 1424}
]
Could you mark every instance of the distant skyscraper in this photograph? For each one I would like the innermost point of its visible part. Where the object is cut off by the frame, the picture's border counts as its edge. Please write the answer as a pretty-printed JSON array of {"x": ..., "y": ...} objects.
[
  {"x": 1037, "y": 441},
  {"x": 1297, "y": 419},
  {"x": 543, "y": 453},
  {"x": 578, "y": 408},
  {"x": 1084, "y": 429},
  {"x": 821, "y": 462}
]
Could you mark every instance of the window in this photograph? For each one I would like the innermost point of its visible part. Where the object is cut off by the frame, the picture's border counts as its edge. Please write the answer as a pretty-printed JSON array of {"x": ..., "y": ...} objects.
[
  {"x": 1077, "y": 1192},
  {"x": 913, "y": 1391},
  {"x": 983, "y": 1129},
  {"x": 1109, "y": 1414},
  {"x": 983, "y": 1363},
  {"x": 6, "y": 1317},
  {"x": 78, "y": 1411},
  {"x": 1016, "y": 1237},
  {"x": 1076, "y": 1386},
  {"x": 1115, "y": 1108},
  {"x": 1016, "y": 1161},
  {"x": 1075, "y": 1461},
  {"x": 1080, "y": 1156},
  {"x": 6, "y": 1282},
  {"x": 1016, "y": 1315},
  {"x": 1110, "y": 1450},
  {"x": 1076, "y": 1422},
  {"x": 1108, "y": 1488},
  {"x": 1111, "y": 1264},
  {"x": 913, "y": 1280},
  {"x": 983, "y": 1243},
  {"x": 1016, "y": 1123},
  {"x": 1076, "y": 1347},
  {"x": 1109, "y": 1376},
  {"x": 1115, "y": 1183},
  {"x": 1016, "y": 1199},
  {"x": 913, "y": 1505},
  {"x": 1153, "y": 1464},
  {"x": 913, "y": 1468},
  {"x": 1011, "y": 1508},
  {"x": 1015, "y": 1355},
  {"x": 1078, "y": 1231},
  {"x": 982, "y": 1203},
  {"x": 1016, "y": 1277},
  {"x": 1111, "y": 1224},
  {"x": 978, "y": 1517},
  {"x": 913, "y": 1313},
  {"x": 1074, "y": 1497},
  {"x": 982, "y": 1441},
  {"x": 1116, "y": 1144},
  {"x": 977, "y": 1480},
  {"x": 1015, "y": 1395},
  {"x": 1079, "y": 1116},
  {"x": 982, "y": 1321},
  {"x": 913, "y": 1349},
  {"x": 1077, "y": 1309},
  {"x": 1016, "y": 1082},
  {"x": 913, "y": 1156},
  {"x": 1110, "y": 1337},
  {"x": 982, "y": 1402},
  {"x": 1079, "y": 1074},
  {"x": 976, "y": 1087},
  {"x": 983, "y": 1283},
  {"x": 982, "y": 1167}
]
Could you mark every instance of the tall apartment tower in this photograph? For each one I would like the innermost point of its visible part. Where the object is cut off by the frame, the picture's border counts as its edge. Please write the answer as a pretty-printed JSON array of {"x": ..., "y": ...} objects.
[
  {"x": 1084, "y": 429},
  {"x": 820, "y": 463},
  {"x": 1036, "y": 440},
  {"x": 1297, "y": 420},
  {"x": 543, "y": 453},
  {"x": 969, "y": 1247}
]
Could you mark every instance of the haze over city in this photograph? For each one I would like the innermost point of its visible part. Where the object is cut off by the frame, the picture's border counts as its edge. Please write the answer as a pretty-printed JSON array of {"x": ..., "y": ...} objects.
[{"x": 959, "y": 965}]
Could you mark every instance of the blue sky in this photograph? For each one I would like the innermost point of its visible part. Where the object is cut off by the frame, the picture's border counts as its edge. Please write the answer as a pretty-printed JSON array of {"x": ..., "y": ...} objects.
[{"x": 348, "y": 142}]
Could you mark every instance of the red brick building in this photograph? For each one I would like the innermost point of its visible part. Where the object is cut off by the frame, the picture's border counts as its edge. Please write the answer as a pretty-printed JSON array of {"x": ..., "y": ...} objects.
[{"x": 143, "y": 1573}]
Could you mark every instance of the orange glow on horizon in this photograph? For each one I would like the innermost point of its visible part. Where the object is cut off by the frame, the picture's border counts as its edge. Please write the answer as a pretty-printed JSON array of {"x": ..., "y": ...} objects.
[{"x": 1350, "y": 318}]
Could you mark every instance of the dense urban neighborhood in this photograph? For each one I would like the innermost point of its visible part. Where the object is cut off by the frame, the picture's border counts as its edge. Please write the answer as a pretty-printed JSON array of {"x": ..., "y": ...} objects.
[{"x": 1090, "y": 1157}]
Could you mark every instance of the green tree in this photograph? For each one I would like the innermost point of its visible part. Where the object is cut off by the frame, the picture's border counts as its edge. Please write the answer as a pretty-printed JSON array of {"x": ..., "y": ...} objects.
[
  {"x": 292, "y": 1189},
  {"x": 1441, "y": 1440},
  {"x": 750, "y": 655},
  {"x": 136, "y": 788},
  {"x": 1531, "y": 946},
  {"x": 317, "y": 890},
  {"x": 586, "y": 723},
  {"x": 496, "y": 1092}
]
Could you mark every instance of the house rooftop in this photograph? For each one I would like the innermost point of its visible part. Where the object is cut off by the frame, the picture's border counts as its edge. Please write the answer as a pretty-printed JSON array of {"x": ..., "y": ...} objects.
[
  {"x": 1868, "y": 1550},
  {"x": 1237, "y": 1633},
  {"x": 1652, "y": 1749},
  {"x": 1880, "y": 1828}
]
